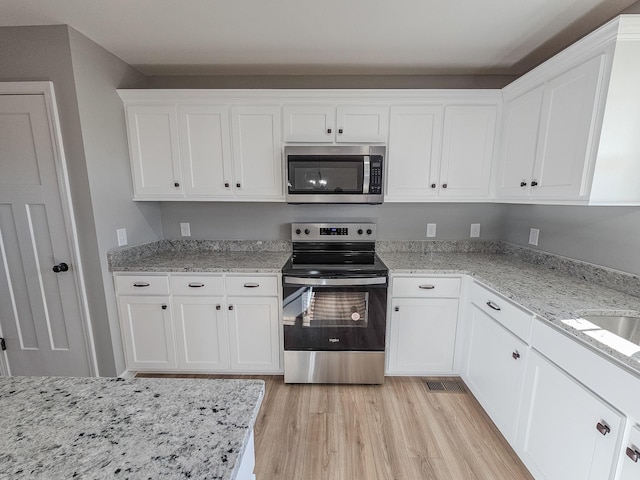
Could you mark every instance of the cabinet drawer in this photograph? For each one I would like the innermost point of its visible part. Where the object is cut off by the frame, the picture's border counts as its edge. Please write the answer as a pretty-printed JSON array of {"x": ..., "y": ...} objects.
[
  {"x": 142, "y": 284},
  {"x": 197, "y": 285},
  {"x": 252, "y": 286},
  {"x": 513, "y": 318},
  {"x": 418, "y": 287}
]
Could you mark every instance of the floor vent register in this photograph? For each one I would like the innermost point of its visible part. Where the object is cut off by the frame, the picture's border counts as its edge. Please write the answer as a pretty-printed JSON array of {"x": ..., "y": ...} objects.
[{"x": 445, "y": 386}]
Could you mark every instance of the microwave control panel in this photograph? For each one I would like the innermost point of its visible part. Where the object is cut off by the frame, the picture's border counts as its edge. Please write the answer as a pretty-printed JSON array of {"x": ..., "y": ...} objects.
[{"x": 375, "y": 182}]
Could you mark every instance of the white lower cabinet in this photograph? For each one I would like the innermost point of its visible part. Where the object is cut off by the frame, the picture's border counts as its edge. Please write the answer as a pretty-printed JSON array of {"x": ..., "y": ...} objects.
[
  {"x": 630, "y": 463},
  {"x": 201, "y": 333},
  {"x": 200, "y": 323},
  {"x": 147, "y": 332},
  {"x": 494, "y": 370},
  {"x": 565, "y": 431},
  {"x": 253, "y": 333},
  {"x": 422, "y": 326}
]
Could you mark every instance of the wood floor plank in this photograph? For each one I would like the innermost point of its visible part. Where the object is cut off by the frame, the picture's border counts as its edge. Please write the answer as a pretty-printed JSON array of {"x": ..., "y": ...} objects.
[{"x": 396, "y": 431}]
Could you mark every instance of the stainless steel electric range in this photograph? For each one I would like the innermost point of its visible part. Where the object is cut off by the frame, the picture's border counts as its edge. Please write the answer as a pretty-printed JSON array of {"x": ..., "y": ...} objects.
[{"x": 335, "y": 305}]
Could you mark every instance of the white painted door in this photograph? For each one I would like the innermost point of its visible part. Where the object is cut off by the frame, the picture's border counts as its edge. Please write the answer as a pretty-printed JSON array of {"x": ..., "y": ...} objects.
[
  {"x": 562, "y": 432},
  {"x": 201, "y": 333},
  {"x": 415, "y": 136},
  {"x": 361, "y": 123},
  {"x": 155, "y": 153},
  {"x": 630, "y": 468},
  {"x": 494, "y": 370},
  {"x": 40, "y": 312},
  {"x": 254, "y": 334},
  {"x": 467, "y": 150},
  {"x": 309, "y": 123},
  {"x": 147, "y": 332},
  {"x": 422, "y": 335},
  {"x": 205, "y": 150},
  {"x": 566, "y": 129},
  {"x": 257, "y": 155},
  {"x": 521, "y": 119}
]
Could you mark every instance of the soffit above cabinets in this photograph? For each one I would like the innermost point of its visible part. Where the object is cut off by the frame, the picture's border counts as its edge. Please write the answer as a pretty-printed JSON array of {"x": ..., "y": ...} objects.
[{"x": 409, "y": 37}]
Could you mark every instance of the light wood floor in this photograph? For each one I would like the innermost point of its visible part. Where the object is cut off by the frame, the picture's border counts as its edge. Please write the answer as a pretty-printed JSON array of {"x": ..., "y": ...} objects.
[{"x": 399, "y": 430}]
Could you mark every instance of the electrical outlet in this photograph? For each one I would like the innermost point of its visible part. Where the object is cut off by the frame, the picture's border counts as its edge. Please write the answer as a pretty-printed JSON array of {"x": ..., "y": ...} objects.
[
  {"x": 431, "y": 230},
  {"x": 122, "y": 236},
  {"x": 534, "y": 233},
  {"x": 475, "y": 230},
  {"x": 185, "y": 229}
]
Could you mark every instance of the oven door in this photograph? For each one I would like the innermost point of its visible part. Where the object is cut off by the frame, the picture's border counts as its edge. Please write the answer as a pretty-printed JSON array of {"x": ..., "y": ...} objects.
[{"x": 345, "y": 314}]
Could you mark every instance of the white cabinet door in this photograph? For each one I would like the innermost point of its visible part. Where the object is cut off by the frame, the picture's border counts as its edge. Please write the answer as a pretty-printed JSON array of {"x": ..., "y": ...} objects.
[
  {"x": 309, "y": 123},
  {"x": 521, "y": 118},
  {"x": 155, "y": 156},
  {"x": 257, "y": 155},
  {"x": 467, "y": 150},
  {"x": 147, "y": 332},
  {"x": 494, "y": 370},
  {"x": 362, "y": 123},
  {"x": 630, "y": 467},
  {"x": 201, "y": 333},
  {"x": 565, "y": 431},
  {"x": 566, "y": 129},
  {"x": 254, "y": 334},
  {"x": 205, "y": 146},
  {"x": 415, "y": 135},
  {"x": 422, "y": 335}
]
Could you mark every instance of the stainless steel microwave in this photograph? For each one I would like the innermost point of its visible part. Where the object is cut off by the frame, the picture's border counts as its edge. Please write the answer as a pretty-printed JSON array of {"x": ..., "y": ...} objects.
[{"x": 334, "y": 174}]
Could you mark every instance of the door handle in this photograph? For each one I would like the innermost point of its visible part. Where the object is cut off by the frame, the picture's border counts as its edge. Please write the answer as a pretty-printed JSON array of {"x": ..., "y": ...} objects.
[
  {"x": 633, "y": 454},
  {"x": 603, "y": 428},
  {"x": 61, "y": 267},
  {"x": 427, "y": 287},
  {"x": 196, "y": 284},
  {"x": 493, "y": 306},
  {"x": 251, "y": 285}
]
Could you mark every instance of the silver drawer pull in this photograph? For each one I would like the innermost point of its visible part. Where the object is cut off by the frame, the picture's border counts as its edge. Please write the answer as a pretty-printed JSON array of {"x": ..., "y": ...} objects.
[
  {"x": 633, "y": 454},
  {"x": 427, "y": 287},
  {"x": 140, "y": 284},
  {"x": 251, "y": 285},
  {"x": 492, "y": 305},
  {"x": 603, "y": 428},
  {"x": 196, "y": 284}
]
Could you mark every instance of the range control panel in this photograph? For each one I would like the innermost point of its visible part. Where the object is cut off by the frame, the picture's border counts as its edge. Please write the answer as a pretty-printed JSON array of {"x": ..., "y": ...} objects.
[{"x": 333, "y": 232}]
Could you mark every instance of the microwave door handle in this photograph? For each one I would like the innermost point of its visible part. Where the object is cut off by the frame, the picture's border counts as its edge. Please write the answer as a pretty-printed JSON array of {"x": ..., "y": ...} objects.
[{"x": 367, "y": 175}]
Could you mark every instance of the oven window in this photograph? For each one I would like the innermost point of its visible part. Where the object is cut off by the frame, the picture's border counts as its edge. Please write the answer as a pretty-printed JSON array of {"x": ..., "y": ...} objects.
[
  {"x": 310, "y": 308},
  {"x": 326, "y": 176}
]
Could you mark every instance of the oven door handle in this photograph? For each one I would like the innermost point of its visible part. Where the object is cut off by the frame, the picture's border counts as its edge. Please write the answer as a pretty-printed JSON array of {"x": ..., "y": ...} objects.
[{"x": 330, "y": 282}]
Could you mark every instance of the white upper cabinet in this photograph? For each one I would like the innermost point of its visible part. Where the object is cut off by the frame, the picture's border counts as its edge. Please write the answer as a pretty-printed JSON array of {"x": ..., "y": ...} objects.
[
  {"x": 257, "y": 158},
  {"x": 467, "y": 150},
  {"x": 328, "y": 123},
  {"x": 441, "y": 151},
  {"x": 567, "y": 132},
  {"x": 520, "y": 120},
  {"x": 415, "y": 138},
  {"x": 309, "y": 123},
  {"x": 155, "y": 155},
  {"x": 205, "y": 150}
]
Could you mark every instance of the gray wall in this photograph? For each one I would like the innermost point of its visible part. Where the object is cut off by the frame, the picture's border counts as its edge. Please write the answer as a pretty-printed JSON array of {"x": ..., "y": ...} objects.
[
  {"x": 270, "y": 221},
  {"x": 97, "y": 75},
  {"x": 331, "y": 81},
  {"x": 608, "y": 236}
]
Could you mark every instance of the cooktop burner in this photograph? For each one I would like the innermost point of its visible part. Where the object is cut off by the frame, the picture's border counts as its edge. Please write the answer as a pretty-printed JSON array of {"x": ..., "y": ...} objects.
[{"x": 334, "y": 250}]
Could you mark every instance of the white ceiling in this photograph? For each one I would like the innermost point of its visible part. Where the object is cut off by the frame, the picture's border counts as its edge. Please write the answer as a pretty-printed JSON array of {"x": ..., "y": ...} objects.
[{"x": 323, "y": 36}]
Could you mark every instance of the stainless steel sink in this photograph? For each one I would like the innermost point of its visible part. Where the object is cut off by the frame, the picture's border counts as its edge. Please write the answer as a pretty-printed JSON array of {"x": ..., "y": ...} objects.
[{"x": 627, "y": 327}]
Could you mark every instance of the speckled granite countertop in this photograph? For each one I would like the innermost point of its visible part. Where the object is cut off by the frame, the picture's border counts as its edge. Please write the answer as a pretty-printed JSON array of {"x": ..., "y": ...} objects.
[
  {"x": 202, "y": 256},
  {"x": 97, "y": 428},
  {"x": 541, "y": 288}
]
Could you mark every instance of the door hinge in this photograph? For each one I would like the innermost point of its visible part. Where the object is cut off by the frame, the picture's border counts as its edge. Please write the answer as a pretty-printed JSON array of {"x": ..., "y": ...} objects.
[{"x": 3, "y": 345}]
